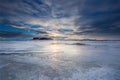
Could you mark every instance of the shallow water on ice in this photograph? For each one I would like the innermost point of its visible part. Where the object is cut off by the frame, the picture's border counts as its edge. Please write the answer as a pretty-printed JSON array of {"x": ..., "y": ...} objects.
[{"x": 59, "y": 60}]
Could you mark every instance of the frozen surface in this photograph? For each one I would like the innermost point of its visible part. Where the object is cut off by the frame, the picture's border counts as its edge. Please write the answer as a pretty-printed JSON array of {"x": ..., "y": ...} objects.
[{"x": 59, "y": 60}]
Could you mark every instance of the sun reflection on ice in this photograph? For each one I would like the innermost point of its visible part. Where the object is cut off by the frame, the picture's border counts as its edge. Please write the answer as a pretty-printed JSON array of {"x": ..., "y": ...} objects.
[
  {"x": 56, "y": 50},
  {"x": 60, "y": 54},
  {"x": 59, "y": 50}
]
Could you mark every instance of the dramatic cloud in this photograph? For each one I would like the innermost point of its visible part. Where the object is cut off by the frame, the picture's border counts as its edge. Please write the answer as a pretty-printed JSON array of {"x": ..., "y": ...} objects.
[
  {"x": 89, "y": 18},
  {"x": 13, "y": 34},
  {"x": 100, "y": 18}
]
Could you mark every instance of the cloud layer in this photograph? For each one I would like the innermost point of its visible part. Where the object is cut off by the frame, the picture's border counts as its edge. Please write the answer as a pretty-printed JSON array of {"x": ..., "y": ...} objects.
[{"x": 89, "y": 18}]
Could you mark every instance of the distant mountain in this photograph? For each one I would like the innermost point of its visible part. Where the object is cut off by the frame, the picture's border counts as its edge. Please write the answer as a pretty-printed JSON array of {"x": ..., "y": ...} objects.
[
  {"x": 89, "y": 40},
  {"x": 42, "y": 38}
]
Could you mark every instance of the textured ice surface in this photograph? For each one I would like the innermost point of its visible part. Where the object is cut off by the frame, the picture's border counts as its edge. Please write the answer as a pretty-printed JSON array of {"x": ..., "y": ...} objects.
[{"x": 59, "y": 60}]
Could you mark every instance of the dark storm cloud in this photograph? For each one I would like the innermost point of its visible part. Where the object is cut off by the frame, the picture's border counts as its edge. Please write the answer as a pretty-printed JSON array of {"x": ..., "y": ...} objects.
[
  {"x": 23, "y": 8},
  {"x": 87, "y": 17},
  {"x": 99, "y": 18},
  {"x": 9, "y": 34}
]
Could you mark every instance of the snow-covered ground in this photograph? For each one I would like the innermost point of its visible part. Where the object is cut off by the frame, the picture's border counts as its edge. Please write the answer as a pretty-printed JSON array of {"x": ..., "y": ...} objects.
[{"x": 59, "y": 60}]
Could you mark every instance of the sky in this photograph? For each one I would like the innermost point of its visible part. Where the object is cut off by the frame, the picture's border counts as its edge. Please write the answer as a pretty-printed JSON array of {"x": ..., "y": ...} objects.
[{"x": 67, "y": 19}]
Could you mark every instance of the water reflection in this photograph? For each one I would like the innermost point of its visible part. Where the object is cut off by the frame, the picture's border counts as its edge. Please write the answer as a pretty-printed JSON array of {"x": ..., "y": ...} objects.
[
  {"x": 59, "y": 52},
  {"x": 54, "y": 51}
]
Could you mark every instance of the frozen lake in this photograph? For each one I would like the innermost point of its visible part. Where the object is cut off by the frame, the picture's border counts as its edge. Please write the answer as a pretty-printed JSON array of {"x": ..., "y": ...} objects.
[{"x": 59, "y": 60}]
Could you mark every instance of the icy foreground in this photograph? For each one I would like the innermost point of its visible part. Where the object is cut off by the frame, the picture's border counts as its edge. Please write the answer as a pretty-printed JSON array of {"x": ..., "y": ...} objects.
[{"x": 51, "y": 60}]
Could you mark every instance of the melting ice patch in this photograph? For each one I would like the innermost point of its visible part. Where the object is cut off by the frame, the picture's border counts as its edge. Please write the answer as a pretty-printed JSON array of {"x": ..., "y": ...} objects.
[
  {"x": 95, "y": 74},
  {"x": 91, "y": 74}
]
